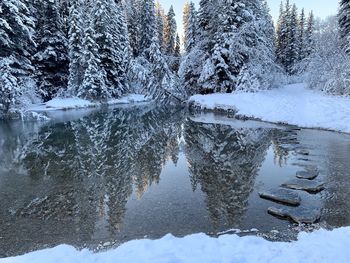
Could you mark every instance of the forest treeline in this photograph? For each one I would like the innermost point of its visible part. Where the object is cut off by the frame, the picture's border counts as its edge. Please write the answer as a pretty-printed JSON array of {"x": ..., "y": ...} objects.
[{"x": 103, "y": 49}]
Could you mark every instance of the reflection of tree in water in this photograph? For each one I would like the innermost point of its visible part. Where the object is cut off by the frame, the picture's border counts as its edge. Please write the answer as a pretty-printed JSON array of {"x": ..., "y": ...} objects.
[
  {"x": 94, "y": 162},
  {"x": 225, "y": 162}
]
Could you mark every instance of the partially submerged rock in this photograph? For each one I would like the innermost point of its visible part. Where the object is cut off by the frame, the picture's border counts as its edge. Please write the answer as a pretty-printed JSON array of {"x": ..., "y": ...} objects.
[
  {"x": 308, "y": 175},
  {"x": 305, "y": 185},
  {"x": 282, "y": 196},
  {"x": 298, "y": 215}
]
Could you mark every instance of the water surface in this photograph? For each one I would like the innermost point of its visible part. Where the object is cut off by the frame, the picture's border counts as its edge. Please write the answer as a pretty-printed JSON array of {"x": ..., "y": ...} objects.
[{"x": 108, "y": 176}]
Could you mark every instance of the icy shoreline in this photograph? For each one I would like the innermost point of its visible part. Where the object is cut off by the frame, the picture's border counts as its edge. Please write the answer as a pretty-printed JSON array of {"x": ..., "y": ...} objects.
[
  {"x": 77, "y": 103},
  {"x": 319, "y": 246},
  {"x": 291, "y": 104}
]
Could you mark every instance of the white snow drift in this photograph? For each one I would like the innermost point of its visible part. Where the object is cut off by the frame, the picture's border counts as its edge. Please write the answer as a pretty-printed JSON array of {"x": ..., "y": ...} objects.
[
  {"x": 292, "y": 104},
  {"x": 320, "y": 246}
]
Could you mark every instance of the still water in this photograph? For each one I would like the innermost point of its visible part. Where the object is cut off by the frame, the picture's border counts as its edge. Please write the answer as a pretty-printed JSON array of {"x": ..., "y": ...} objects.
[{"x": 98, "y": 178}]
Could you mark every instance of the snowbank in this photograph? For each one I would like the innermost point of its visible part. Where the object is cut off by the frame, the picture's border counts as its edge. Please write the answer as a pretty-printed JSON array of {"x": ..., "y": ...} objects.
[
  {"x": 320, "y": 246},
  {"x": 76, "y": 103},
  {"x": 292, "y": 104}
]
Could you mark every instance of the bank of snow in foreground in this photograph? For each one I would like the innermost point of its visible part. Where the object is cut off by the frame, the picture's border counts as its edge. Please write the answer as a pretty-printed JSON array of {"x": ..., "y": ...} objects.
[
  {"x": 292, "y": 104},
  {"x": 77, "y": 103},
  {"x": 320, "y": 246}
]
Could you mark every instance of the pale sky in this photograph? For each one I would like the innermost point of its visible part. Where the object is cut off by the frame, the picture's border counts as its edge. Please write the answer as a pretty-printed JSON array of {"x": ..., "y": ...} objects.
[{"x": 321, "y": 8}]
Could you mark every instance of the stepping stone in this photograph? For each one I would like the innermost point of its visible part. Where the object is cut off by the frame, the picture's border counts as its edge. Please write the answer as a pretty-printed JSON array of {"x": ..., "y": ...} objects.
[
  {"x": 298, "y": 215},
  {"x": 305, "y": 185},
  {"x": 308, "y": 175},
  {"x": 303, "y": 159},
  {"x": 303, "y": 152},
  {"x": 282, "y": 196}
]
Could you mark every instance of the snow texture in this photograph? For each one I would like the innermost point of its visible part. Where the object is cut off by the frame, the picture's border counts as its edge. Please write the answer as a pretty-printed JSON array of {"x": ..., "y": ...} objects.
[
  {"x": 76, "y": 103},
  {"x": 320, "y": 246},
  {"x": 293, "y": 104}
]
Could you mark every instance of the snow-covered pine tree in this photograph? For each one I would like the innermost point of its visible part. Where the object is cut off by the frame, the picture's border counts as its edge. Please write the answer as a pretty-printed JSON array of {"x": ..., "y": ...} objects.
[
  {"x": 16, "y": 30},
  {"x": 170, "y": 32},
  {"x": 185, "y": 20},
  {"x": 161, "y": 83},
  {"x": 344, "y": 24},
  {"x": 133, "y": 19},
  {"x": 223, "y": 65},
  {"x": 75, "y": 46},
  {"x": 51, "y": 58},
  {"x": 111, "y": 38},
  {"x": 160, "y": 16},
  {"x": 283, "y": 34},
  {"x": 190, "y": 28},
  {"x": 309, "y": 34},
  {"x": 122, "y": 47},
  {"x": 147, "y": 24},
  {"x": 260, "y": 70},
  {"x": 292, "y": 49},
  {"x": 94, "y": 83},
  {"x": 301, "y": 35},
  {"x": 177, "y": 49}
]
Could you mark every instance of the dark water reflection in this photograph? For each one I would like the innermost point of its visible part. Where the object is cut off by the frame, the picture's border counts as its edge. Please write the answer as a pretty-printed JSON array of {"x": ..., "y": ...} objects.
[{"x": 117, "y": 175}]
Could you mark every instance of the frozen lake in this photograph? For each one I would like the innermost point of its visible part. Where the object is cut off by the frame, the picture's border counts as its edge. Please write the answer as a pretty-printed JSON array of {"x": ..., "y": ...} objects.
[{"x": 97, "y": 178}]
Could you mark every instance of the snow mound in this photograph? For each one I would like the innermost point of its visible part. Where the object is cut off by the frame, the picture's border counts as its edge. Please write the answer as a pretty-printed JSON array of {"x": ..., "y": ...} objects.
[
  {"x": 292, "y": 104},
  {"x": 77, "y": 103},
  {"x": 320, "y": 246}
]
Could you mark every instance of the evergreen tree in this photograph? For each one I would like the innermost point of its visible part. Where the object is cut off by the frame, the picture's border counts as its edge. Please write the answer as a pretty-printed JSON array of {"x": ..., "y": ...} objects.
[
  {"x": 147, "y": 24},
  {"x": 309, "y": 35},
  {"x": 293, "y": 41},
  {"x": 190, "y": 28},
  {"x": 51, "y": 58},
  {"x": 177, "y": 46},
  {"x": 344, "y": 24},
  {"x": 170, "y": 32},
  {"x": 16, "y": 30},
  {"x": 75, "y": 46},
  {"x": 110, "y": 28},
  {"x": 132, "y": 10},
  {"x": 185, "y": 20},
  {"x": 301, "y": 35},
  {"x": 160, "y": 16},
  {"x": 94, "y": 82}
]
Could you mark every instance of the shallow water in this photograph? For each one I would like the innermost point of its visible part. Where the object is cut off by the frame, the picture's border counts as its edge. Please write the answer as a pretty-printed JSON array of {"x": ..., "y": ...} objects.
[{"x": 100, "y": 178}]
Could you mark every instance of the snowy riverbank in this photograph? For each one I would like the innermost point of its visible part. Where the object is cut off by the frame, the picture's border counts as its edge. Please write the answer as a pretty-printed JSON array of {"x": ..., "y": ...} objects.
[
  {"x": 320, "y": 246},
  {"x": 76, "y": 103},
  {"x": 292, "y": 104}
]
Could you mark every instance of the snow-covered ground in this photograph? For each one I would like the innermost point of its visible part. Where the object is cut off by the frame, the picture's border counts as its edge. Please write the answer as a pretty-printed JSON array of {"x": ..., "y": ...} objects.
[
  {"x": 76, "y": 103},
  {"x": 320, "y": 246},
  {"x": 292, "y": 104}
]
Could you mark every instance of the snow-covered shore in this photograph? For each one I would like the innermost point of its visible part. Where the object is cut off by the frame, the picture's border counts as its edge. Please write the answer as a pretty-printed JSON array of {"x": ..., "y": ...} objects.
[
  {"x": 77, "y": 103},
  {"x": 320, "y": 246},
  {"x": 292, "y": 104}
]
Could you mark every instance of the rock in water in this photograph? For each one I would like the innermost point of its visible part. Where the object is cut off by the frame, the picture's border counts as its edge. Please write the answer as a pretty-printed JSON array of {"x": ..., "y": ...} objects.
[
  {"x": 305, "y": 185},
  {"x": 298, "y": 215},
  {"x": 308, "y": 175},
  {"x": 282, "y": 196}
]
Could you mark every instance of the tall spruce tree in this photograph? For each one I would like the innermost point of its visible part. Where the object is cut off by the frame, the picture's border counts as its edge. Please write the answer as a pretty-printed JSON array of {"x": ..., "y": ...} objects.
[
  {"x": 160, "y": 17},
  {"x": 301, "y": 35},
  {"x": 51, "y": 58},
  {"x": 344, "y": 24},
  {"x": 309, "y": 35},
  {"x": 148, "y": 24},
  {"x": 133, "y": 19},
  {"x": 16, "y": 43},
  {"x": 75, "y": 46},
  {"x": 170, "y": 32},
  {"x": 292, "y": 56},
  {"x": 190, "y": 28},
  {"x": 94, "y": 83}
]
